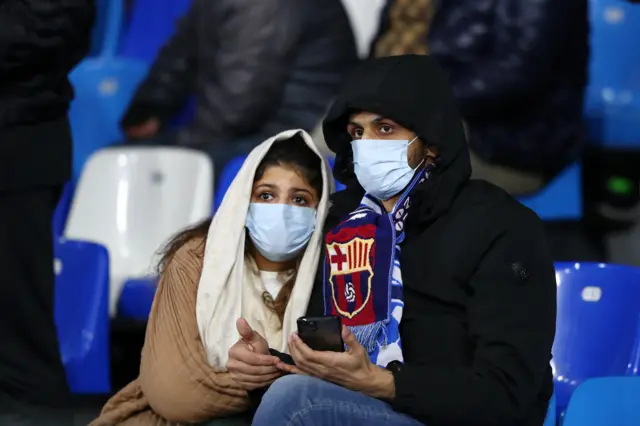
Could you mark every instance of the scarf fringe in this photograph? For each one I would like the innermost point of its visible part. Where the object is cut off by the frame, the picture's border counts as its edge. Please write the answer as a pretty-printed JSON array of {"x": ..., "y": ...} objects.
[{"x": 368, "y": 335}]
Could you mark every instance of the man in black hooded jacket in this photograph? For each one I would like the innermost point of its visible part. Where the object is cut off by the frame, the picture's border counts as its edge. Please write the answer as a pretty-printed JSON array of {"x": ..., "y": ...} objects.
[
  {"x": 40, "y": 42},
  {"x": 475, "y": 311}
]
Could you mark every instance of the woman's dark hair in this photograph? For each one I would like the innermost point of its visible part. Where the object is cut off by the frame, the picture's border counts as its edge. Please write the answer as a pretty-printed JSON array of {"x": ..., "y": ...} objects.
[{"x": 293, "y": 153}]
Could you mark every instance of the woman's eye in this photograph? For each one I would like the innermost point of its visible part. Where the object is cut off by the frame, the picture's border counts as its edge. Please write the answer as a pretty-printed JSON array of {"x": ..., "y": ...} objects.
[
  {"x": 299, "y": 200},
  {"x": 386, "y": 129},
  {"x": 266, "y": 196},
  {"x": 356, "y": 134}
]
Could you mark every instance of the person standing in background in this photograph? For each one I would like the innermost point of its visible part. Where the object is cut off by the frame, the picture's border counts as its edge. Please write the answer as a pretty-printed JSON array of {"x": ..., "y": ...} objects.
[
  {"x": 255, "y": 67},
  {"x": 40, "y": 42},
  {"x": 518, "y": 73}
]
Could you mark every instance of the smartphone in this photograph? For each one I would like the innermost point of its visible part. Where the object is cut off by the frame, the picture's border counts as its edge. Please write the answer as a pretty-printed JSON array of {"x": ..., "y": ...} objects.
[{"x": 321, "y": 333}]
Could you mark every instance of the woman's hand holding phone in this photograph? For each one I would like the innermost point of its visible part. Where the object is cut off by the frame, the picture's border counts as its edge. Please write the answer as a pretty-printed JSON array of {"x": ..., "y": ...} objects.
[
  {"x": 351, "y": 369},
  {"x": 250, "y": 363}
]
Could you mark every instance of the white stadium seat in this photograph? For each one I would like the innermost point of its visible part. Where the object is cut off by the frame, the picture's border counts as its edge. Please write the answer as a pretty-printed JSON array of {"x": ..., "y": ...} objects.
[{"x": 133, "y": 199}]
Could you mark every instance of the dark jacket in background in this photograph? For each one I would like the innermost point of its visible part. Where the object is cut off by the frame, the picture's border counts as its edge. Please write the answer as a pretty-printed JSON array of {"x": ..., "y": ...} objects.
[
  {"x": 518, "y": 70},
  {"x": 479, "y": 285},
  {"x": 40, "y": 42},
  {"x": 255, "y": 67}
]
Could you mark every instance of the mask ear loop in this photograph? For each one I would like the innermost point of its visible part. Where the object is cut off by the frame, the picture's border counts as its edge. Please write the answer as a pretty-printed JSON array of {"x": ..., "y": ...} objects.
[{"x": 423, "y": 160}]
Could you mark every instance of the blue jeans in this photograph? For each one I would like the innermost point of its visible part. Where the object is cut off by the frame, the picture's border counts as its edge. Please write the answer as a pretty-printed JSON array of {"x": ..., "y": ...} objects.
[{"x": 304, "y": 401}]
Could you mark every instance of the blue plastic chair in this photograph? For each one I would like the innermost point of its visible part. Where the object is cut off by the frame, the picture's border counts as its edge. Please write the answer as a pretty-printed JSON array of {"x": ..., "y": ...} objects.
[
  {"x": 339, "y": 186},
  {"x": 227, "y": 176},
  {"x": 104, "y": 86},
  {"x": 613, "y": 95},
  {"x": 550, "y": 420},
  {"x": 597, "y": 331},
  {"x": 82, "y": 314},
  {"x": 561, "y": 199},
  {"x": 136, "y": 298},
  {"x": 147, "y": 32},
  {"x": 607, "y": 401},
  {"x": 108, "y": 28}
]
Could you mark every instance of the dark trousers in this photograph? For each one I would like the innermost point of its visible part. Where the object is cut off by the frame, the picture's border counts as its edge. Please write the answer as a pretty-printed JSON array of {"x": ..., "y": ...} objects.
[{"x": 31, "y": 371}]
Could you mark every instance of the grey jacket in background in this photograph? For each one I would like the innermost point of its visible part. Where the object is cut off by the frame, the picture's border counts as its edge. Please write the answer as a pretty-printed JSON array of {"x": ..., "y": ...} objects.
[{"x": 254, "y": 66}]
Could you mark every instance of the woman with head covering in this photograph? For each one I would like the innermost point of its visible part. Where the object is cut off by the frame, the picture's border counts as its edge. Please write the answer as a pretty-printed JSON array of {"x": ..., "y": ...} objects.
[
  {"x": 444, "y": 284},
  {"x": 255, "y": 260}
]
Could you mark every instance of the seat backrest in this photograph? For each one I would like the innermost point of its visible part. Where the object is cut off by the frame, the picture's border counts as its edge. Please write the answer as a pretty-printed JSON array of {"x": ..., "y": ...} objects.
[
  {"x": 132, "y": 200},
  {"x": 614, "y": 72},
  {"x": 103, "y": 89},
  {"x": 605, "y": 401},
  {"x": 227, "y": 176},
  {"x": 81, "y": 313},
  {"x": 339, "y": 186},
  {"x": 597, "y": 324},
  {"x": 550, "y": 420},
  {"x": 561, "y": 199},
  {"x": 108, "y": 27},
  {"x": 151, "y": 24}
]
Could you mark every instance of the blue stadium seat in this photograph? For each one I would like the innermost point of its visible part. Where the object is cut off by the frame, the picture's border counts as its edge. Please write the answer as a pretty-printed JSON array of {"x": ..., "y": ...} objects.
[
  {"x": 597, "y": 331},
  {"x": 148, "y": 32},
  {"x": 104, "y": 86},
  {"x": 107, "y": 31},
  {"x": 227, "y": 176},
  {"x": 607, "y": 401},
  {"x": 561, "y": 199},
  {"x": 550, "y": 420},
  {"x": 62, "y": 210},
  {"x": 339, "y": 186},
  {"x": 82, "y": 314},
  {"x": 136, "y": 298},
  {"x": 613, "y": 95}
]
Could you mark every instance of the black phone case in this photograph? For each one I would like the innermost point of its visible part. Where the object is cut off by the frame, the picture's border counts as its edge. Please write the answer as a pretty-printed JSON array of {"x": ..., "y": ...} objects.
[{"x": 321, "y": 333}]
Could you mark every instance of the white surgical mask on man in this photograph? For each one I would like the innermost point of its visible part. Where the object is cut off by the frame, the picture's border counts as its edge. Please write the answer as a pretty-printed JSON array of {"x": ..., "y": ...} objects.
[
  {"x": 280, "y": 231},
  {"x": 382, "y": 166}
]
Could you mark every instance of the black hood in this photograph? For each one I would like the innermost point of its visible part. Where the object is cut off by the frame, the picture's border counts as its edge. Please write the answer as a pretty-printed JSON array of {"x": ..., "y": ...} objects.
[{"x": 415, "y": 92}]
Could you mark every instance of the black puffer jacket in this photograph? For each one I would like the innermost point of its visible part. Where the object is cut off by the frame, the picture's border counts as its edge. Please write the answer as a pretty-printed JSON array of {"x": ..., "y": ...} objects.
[
  {"x": 518, "y": 69},
  {"x": 256, "y": 67},
  {"x": 40, "y": 42},
  {"x": 478, "y": 282}
]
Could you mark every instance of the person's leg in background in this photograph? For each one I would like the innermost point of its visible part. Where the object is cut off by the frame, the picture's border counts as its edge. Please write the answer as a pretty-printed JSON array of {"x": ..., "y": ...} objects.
[
  {"x": 515, "y": 182},
  {"x": 31, "y": 371},
  {"x": 305, "y": 401}
]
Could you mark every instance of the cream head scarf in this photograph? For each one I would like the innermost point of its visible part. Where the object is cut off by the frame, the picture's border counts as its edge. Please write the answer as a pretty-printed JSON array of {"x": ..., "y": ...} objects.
[{"x": 220, "y": 296}]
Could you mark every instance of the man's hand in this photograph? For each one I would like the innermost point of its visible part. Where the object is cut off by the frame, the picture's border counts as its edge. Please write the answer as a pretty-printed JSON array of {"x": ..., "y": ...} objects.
[
  {"x": 250, "y": 363},
  {"x": 143, "y": 130},
  {"x": 351, "y": 369}
]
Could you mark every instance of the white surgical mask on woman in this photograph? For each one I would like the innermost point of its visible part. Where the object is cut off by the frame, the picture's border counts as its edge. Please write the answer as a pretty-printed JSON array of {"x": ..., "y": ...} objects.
[
  {"x": 382, "y": 166},
  {"x": 280, "y": 231}
]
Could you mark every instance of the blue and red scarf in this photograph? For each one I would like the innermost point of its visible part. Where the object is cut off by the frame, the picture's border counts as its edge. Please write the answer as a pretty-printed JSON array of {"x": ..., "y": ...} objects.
[{"x": 362, "y": 278}]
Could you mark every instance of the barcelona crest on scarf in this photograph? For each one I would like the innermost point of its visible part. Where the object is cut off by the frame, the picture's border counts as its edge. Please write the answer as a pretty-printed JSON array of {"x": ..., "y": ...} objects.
[{"x": 362, "y": 280}]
